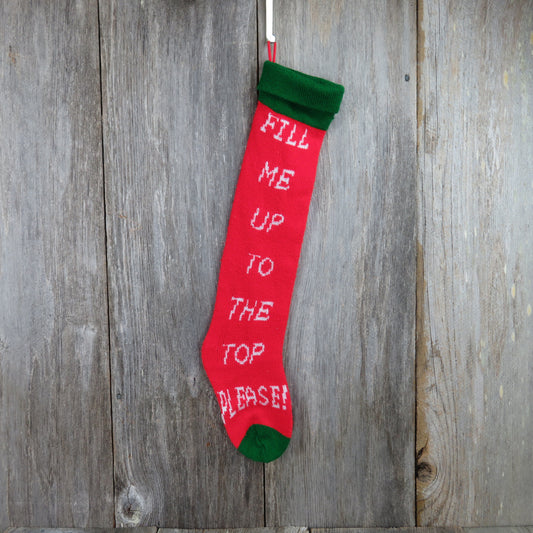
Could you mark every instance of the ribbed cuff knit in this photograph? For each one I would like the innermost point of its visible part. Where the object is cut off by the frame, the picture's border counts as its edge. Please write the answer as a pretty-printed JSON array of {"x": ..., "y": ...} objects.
[{"x": 300, "y": 96}]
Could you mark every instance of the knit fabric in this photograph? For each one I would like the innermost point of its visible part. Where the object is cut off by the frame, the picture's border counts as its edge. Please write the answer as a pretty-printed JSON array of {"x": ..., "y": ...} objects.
[{"x": 242, "y": 351}]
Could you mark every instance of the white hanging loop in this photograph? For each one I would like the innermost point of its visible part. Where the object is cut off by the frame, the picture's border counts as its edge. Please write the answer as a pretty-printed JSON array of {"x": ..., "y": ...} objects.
[
  {"x": 270, "y": 37},
  {"x": 269, "y": 16}
]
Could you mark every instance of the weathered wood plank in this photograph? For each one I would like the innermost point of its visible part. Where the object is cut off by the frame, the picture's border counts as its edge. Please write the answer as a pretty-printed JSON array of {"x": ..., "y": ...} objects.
[
  {"x": 390, "y": 530},
  {"x": 475, "y": 288},
  {"x": 156, "y": 530},
  {"x": 80, "y": 530},
  {"x": 291, "y": 529},
  {"x": 179, "y": 82},
  {"x": 159, "y": 530},
  {"x": 349, "y": 350},
  {"x": 55, "y": 425},
  {"x": 505, "y": 529}
]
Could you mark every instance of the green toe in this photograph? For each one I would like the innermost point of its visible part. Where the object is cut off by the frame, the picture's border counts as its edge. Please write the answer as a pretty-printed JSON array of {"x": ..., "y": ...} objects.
[{"x": 263, "y": 443}]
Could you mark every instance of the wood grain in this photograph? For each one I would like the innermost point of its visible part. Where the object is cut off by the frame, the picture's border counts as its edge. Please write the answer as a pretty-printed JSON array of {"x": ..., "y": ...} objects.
[
  {"x": 349, "y": 347},
  {"x": 292, "y": 529},
  {"x": 177, "y": 96},
  {"x": 240, "y": 530},
  {"x": 507, "y": 529},
  {"x": 475, "y": 268},
  {"x": 80, "y": 530},
  {"x": 55, "y": 425},
  {"x": 393, "y": 530},
  {"x": 179, "y": 81}
]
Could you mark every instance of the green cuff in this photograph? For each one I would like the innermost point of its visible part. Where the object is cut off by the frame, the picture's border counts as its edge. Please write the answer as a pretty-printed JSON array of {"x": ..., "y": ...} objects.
[{"x": 308, "y": 99}]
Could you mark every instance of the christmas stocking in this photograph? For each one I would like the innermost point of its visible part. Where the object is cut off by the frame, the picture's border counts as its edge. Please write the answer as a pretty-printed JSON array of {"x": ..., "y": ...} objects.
[{"x": 242, "y": 352}]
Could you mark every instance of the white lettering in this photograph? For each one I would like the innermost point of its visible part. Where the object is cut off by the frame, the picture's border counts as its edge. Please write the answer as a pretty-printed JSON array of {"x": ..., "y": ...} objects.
[
  {"x": 284, "y": 123},
  {"x": 259, "y": 228},
  {"x": 283, "y": 181},
  {"x": 240, "y": 398},
  {"x": 262, "y": 395},
  {"x": 251, "y": 262},
  {"x": 275, "y": 396},
  {"x": 270, "y": 174},
  {"x": 284, "y": 394},
  {"x": 264, "y": 267},
  {"x": 269, "y": 122},
  {"x": 263, "y": 313},
  {"x": 272, "y": 121},
  {"x": 225, "y": 404},
  {"x": 242, "y": 348},
  {"x": 301, "y": 143},
  {"x": 289, "y": 141},
  {"x": 250, "y": 396},
  {"x": 243, "y": 353},
  {"x": 248, "y": 309},
  {"x": 257, "y": 349},
  {"x": 237, "y": 302},
  {"x": 229, "y": 347},
  {"x": 263, "y": 271},
  {"x": 275, "y": 220}
]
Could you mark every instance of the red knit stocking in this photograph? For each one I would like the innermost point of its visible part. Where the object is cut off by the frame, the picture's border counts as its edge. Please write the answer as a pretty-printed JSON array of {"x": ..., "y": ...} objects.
[{"x": 242, "y": 352}]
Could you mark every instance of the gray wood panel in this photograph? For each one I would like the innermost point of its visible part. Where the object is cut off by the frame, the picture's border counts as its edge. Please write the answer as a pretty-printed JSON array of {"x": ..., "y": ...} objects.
[
  {"x": 503, "y": 529},
  {"x": 80, "y": 530},
  {"x": 159, "y": 530},
  {"x": 179, "y": 91},
  {"x": 390, "y": 530},
  {"x": 179, "y": 82},
  {"x": 349, "y": 347},
  {"x": 55, "y": 424},
  {"x": 475, "y": 268},
  {"x": 292, "y": 529}
]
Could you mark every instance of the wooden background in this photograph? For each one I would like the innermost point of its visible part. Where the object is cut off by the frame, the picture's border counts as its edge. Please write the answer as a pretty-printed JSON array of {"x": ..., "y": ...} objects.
[{"x": 410, "y": 340}]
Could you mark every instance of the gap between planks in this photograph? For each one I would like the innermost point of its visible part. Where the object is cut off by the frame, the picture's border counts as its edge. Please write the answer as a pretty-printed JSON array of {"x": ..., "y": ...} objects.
[{"x": 288, "y": 529}]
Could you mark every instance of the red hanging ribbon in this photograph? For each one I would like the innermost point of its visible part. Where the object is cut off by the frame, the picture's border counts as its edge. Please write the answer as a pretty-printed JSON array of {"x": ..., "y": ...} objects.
[{"x": 272, "y": 55}]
